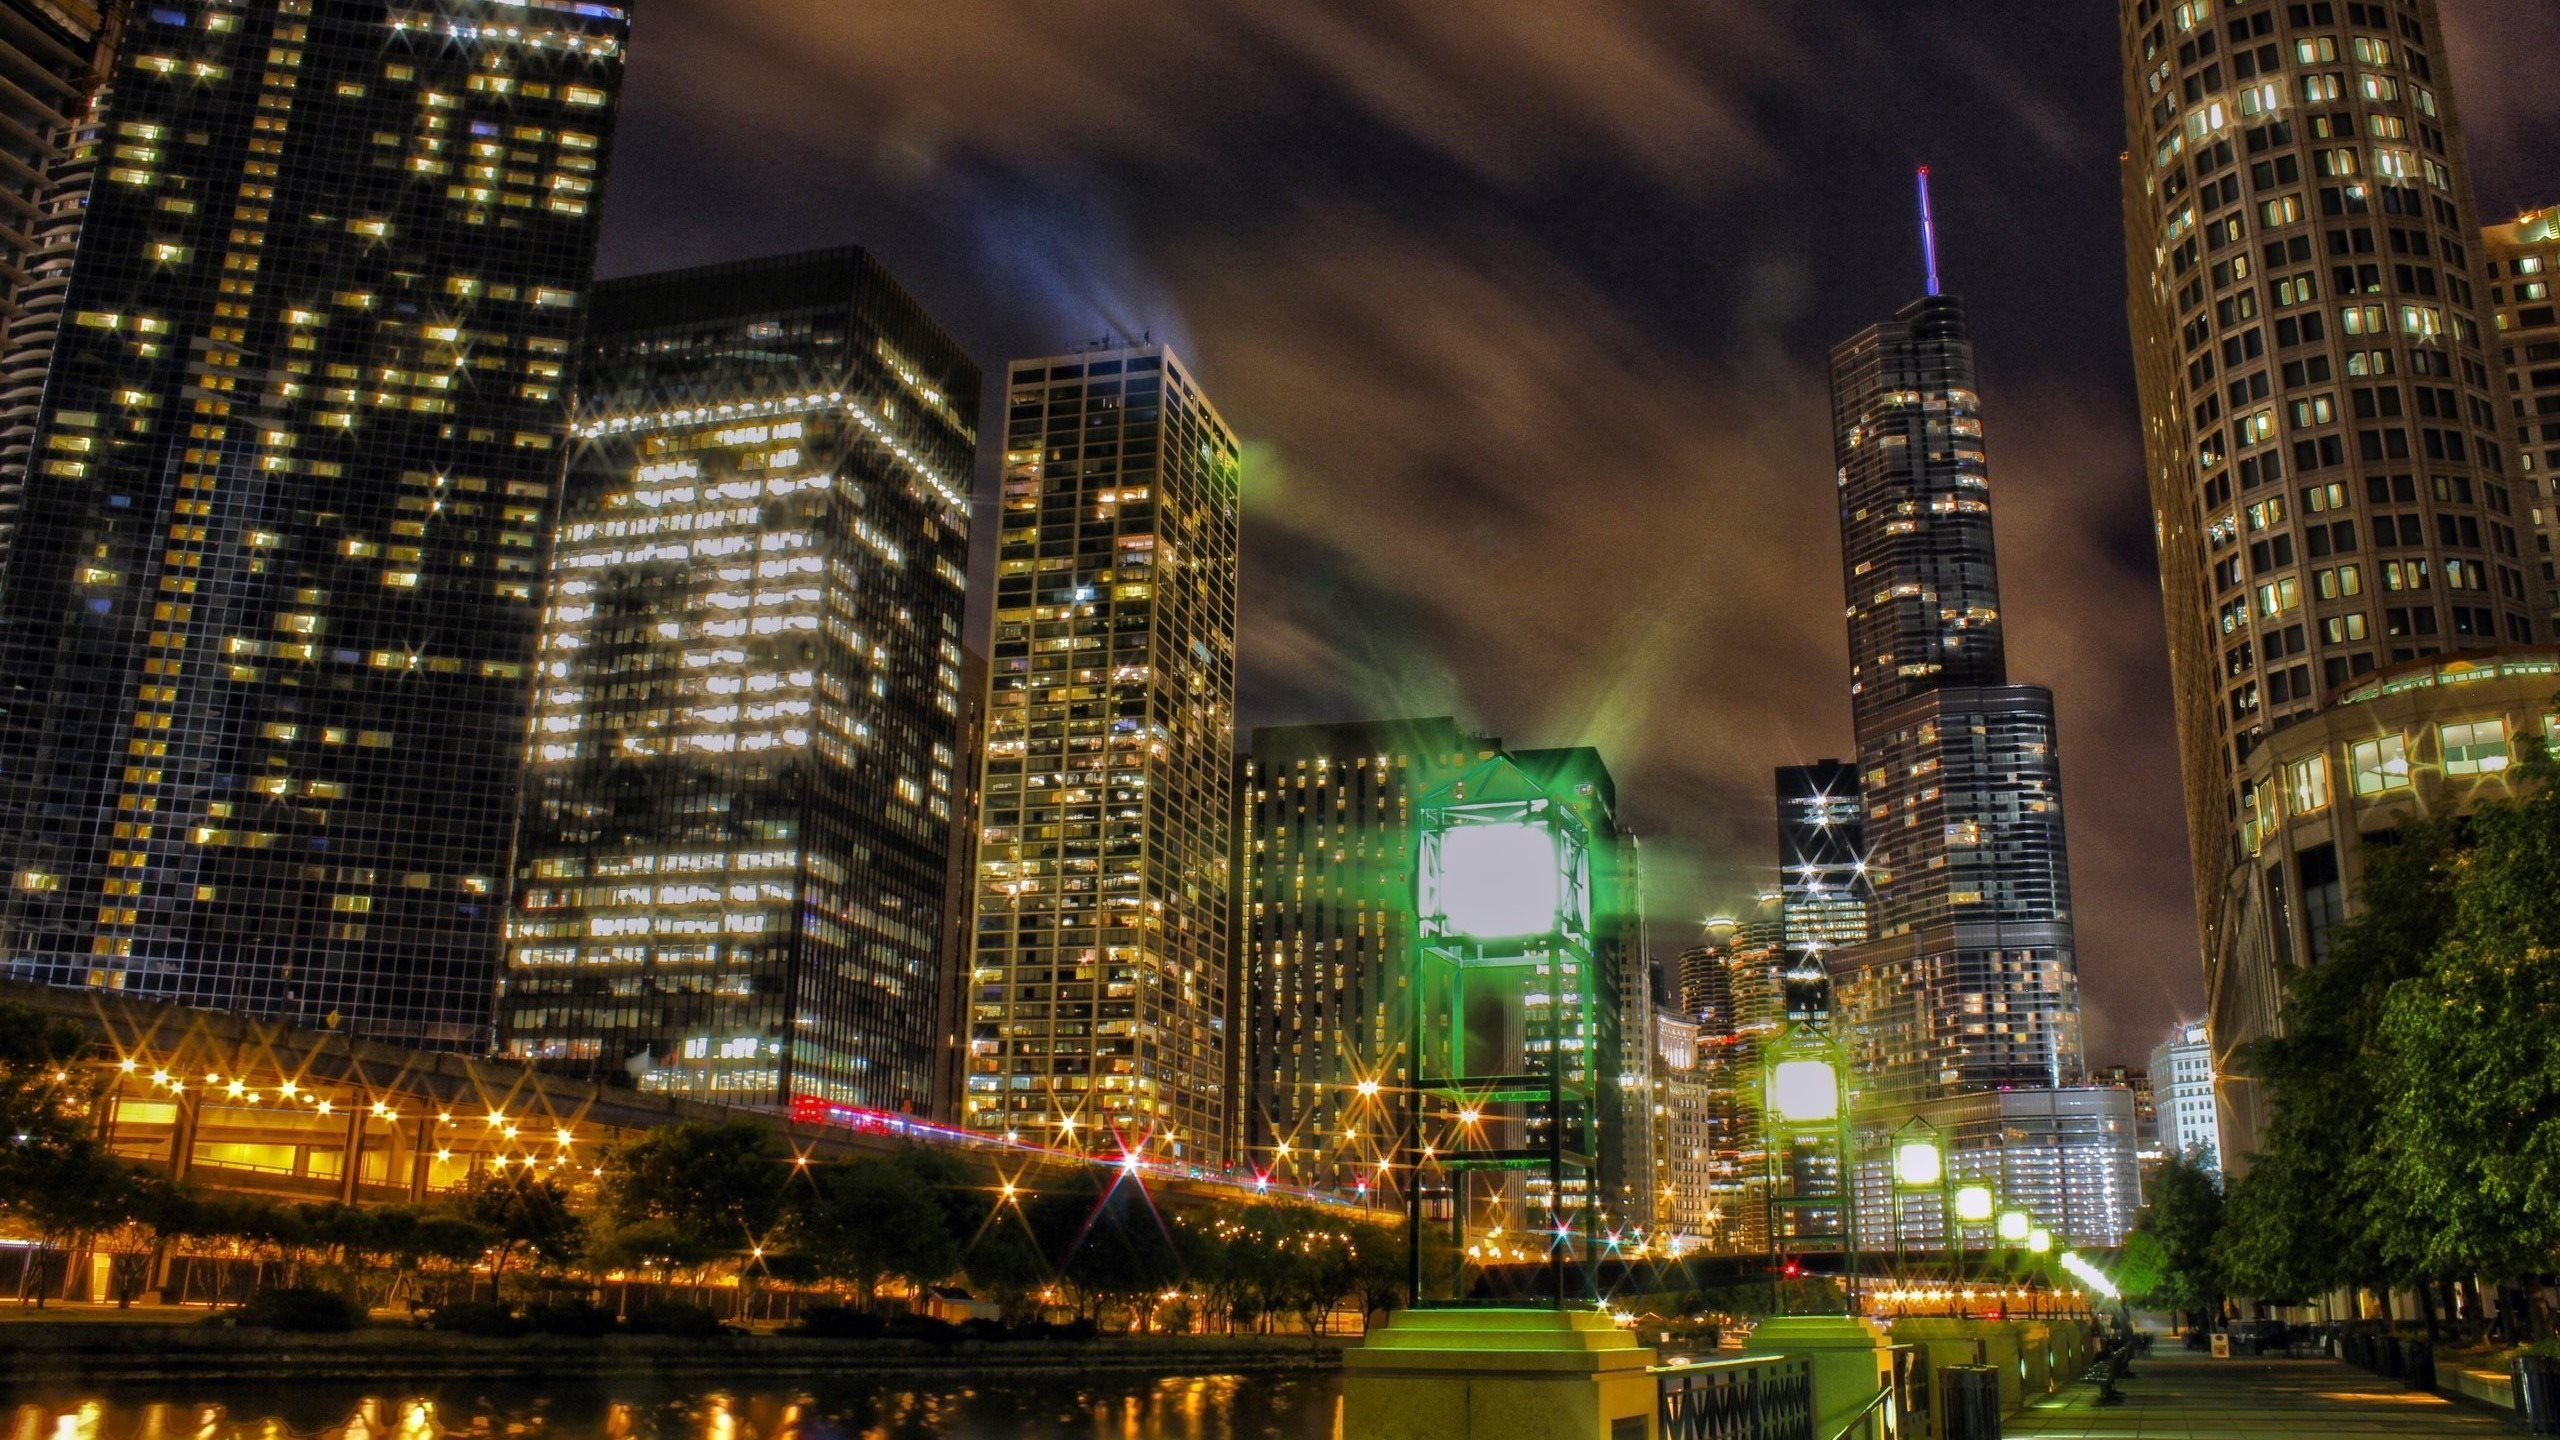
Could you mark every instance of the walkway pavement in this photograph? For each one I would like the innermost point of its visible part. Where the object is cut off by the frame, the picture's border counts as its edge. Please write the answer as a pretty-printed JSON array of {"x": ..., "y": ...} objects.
[{"x": 2188, "y": 1397}]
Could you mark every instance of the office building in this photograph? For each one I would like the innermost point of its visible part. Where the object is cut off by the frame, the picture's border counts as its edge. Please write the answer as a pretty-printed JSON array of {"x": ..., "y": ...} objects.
[
  {"x": 2523, "y": 259},
  {"x": 1687, "y": 1211},
  {"x": 734, "y": 860},
  {"x": 1967, "y": 979},
  {"x": 2189, "y": 1119},
  {"x": 270, "y": 616},
  {"x": 2329, "y": 470},
  {"x": 1099, "y": 987},
  {"x": 1706, "y": 985},
  {"x": 2146, "y": 1119},
  {"x": 1822, "y": 859},
  {"x": 53, "y": 54},
  {"x": 2065, "y": 1156},
  {"x": 1325, "y": 859}
]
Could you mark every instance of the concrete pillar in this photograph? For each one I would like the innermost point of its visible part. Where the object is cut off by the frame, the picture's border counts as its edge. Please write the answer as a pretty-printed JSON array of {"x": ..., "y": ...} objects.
[
  {"x": 1852, "y": 1359},
  {"x": 1499, "y": 1375}
]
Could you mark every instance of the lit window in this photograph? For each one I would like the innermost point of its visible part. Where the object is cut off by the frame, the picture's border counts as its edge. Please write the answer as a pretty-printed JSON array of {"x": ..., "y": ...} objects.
[
  {"x": 2307, "y": 782},
  {"x": 2479, "y": 748}
]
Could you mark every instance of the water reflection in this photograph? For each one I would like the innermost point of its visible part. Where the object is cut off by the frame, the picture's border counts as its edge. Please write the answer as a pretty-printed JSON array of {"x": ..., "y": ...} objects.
[{"x": 1203, "y": 1407}]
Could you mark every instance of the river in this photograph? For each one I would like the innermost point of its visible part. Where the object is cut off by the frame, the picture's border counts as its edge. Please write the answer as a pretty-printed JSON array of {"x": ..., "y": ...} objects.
[{"x": 1035, "y": 1407}]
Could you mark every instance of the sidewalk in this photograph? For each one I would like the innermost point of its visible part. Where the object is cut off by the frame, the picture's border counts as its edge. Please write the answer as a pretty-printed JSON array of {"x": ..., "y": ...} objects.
[{"x": 2188, "y": 1397}]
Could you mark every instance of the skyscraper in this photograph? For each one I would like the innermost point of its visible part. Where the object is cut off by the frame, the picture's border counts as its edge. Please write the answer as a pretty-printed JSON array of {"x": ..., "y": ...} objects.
[
  {"x": 2183, "y": 1095},
  {"x": 1822, "y": 860},
  {"x": 270, "y": 616},
  {"x": 54, "y": 55},
  {"x": 1968, "y": 980},
  {"x": 734, "y": 861},
  {"x": 1325, "y": 852},
  {"x": 2523, "y": 258},
  {"x": 1099, "y": 1002},
  {"x": 2330, "y": 487}
]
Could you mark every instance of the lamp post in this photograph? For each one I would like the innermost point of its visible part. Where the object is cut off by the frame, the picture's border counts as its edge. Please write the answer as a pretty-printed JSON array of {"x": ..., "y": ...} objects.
[
  {"x": 1919, "y": 1163},
  {"x": 1801, "y": 1088}
]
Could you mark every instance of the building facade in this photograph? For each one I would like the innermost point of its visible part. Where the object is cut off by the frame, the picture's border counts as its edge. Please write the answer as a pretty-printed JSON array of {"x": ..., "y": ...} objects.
[
  {"x": 2523, "y": 259},
  {"x": 2065, "y": 1156},
  {"x": 1099, "y": 986},
  {"x": 2330, "y": 474},
  {"x": 734, "y": 859},
  {"x": 1822, "y": 858},
  {"x": 54, "y": 55},
  {"x": 2189, "y": 1119},
  {"x": 1325, "y": 862},
  {"x": 1968, "y": 979},
  {"x": 270, "y": 615}
]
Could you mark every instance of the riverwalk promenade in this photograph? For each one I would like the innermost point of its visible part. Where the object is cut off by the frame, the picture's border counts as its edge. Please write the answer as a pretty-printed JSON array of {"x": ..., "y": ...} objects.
[{"x": 2179, "y": 1396}]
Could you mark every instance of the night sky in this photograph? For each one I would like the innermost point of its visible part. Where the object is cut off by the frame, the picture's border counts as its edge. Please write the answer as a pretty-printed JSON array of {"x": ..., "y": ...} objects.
[{"x": 1522, "y": 307}]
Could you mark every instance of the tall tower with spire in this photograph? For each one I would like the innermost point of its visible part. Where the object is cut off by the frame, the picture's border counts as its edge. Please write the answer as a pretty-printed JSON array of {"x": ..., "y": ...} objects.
[{"x": 1967, "y": 981}]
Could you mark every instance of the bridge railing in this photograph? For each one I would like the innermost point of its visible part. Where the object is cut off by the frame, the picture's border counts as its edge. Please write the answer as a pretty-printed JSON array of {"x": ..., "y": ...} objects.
[{"x": 1760, "y": 1397}]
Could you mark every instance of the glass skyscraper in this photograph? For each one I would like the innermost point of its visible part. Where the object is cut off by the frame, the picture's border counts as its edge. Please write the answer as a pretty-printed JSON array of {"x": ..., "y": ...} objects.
[
  {"x": 53, "y": 56},
  {"x": 1822, "y": 859},
  {"x": 1100, "y": 996},
  {"x": 269, "y": 619},
  {"x": 733, "y": 867},
  {"x": 1967, "y": 980},
  {"x": 2330, "y": 475}
]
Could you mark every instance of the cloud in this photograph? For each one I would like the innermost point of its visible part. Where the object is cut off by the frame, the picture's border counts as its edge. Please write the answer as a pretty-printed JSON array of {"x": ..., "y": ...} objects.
[
  {"x": 2500, "y": 56},
  {"x": 1507, "y": 89}
]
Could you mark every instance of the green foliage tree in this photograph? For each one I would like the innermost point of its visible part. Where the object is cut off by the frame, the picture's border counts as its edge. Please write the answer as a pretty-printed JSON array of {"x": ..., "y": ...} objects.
[
  {"x": 1005, "y": 1265},
  {"x": 2466, "y": 1157},
  {"x": 2299, "y": 1220},
  {"x": 686, "y": 1195},
  {"x": 518, "y": 1212},
  {"x": 2174, "y": 1243},
  {"x": 866, "y": 1220}
]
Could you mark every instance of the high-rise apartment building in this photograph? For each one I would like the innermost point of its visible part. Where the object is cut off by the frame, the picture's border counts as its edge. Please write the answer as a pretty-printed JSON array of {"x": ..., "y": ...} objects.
[
  {"x": 270, "y": 617},
  {"x": 1325, "y": 855},
  {"x": 2523, "y": 259},
  {"x": 53, "y": 54},
  {"x": 1822, "y": 858},
  {"x": 733, "y": 867},
  {"x": 2330, "y": 480},
  {"x": 2188, "y": 1117},
  {"x": 1967, "y": 980},
  {"x": 1099, "y": 986}
]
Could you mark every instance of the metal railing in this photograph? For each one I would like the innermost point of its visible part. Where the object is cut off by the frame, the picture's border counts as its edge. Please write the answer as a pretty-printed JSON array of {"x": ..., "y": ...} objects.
[{"x": 1764, "y": 1397}]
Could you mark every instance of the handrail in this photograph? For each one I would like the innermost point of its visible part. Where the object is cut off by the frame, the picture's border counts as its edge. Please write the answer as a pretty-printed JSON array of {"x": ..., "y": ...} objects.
[{"x": 1865, "y": 1412}]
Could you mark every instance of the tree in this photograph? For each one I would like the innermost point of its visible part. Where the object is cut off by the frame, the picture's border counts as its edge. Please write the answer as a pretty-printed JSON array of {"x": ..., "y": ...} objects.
[
  {"x": 2466, "y": 1155},
  {"x": 2300, "y": 1221},
  {"x": 2175, "y": 1241},
  {"x": 693, "y": 1193},
  {"x": 1005, "y": 1264},
  {"x": 869, "y": 1219},
  {"x": 517, "y": 1210}
]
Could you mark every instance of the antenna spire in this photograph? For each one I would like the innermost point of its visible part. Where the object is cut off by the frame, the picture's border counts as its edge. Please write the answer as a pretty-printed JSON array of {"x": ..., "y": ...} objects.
[{"x": 1928, "y": 233}]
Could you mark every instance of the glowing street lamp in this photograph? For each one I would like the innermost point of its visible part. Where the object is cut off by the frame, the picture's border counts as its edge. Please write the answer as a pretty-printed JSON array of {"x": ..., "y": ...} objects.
[
  {"x": 2014, "y": 1226},
  {"x": 1918, "y": 1164},
  {"x": 1805, "y": 1092},
  {"x": 1973, "y": 1203},
  {"x": 2039, "y": 1241}
]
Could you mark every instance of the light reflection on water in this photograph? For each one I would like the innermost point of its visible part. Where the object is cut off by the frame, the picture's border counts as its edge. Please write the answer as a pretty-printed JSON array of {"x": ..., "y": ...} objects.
[{"x": 1202, "y": 1407}]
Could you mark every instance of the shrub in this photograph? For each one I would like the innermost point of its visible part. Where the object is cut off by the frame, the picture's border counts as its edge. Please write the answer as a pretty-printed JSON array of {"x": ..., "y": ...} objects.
[
  {"x": 1072, "y": 1330},
  {"x": 571, "y": 1315},
  {"x": 302, "y": 1309},
  {"x": 476, "y": 1317},
  {"x": 922, "y": 1327},
  {"x": 984, "y": 1329},
  {"x": 675, "y": 1317},
  {"x": 839, "y": 1322}
]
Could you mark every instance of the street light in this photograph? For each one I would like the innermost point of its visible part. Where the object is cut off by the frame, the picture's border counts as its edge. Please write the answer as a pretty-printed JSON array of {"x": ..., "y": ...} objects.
[
  {"x": 1973, "y": 1203},
  {"x": 2014, "y": 1225},
  {"x": 1918, "y": 1164},
  {"x": 2039, "y": 1241},
  {"x": 1805, "y": 1092}
]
